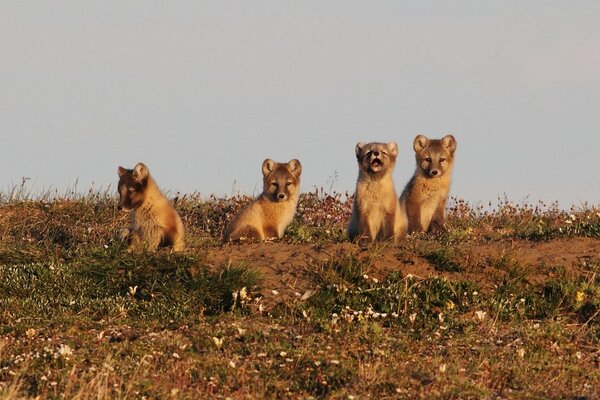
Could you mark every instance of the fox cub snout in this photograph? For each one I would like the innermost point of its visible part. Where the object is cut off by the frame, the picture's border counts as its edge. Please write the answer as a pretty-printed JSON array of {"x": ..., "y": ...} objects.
[
  {"x": 270, "y": 214},
  {"x": 425, "y": 195},
  {"x": 376, "y": 213},
  {"x": 154, "y": 221}
]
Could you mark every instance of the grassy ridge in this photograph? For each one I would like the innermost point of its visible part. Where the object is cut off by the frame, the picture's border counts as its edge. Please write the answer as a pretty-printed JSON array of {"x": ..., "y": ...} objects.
[{"x": 81, "y": 318}]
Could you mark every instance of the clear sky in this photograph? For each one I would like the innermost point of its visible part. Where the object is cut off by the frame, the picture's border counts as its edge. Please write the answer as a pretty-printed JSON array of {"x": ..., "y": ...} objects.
[{"x": 204, "y": 91}]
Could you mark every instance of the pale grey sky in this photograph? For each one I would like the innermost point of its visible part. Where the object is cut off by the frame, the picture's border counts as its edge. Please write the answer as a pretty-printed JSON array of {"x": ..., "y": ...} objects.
[{"x": 204, "y": 91}]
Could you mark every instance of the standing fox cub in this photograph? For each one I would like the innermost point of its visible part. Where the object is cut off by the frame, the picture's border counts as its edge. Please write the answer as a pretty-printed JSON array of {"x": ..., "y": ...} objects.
[
  {"x": 424, "y": 197},
  {"x": 154, "y": 221},
  {"x": 376, "y": 213},
  {"x": 269, "y": 215}
]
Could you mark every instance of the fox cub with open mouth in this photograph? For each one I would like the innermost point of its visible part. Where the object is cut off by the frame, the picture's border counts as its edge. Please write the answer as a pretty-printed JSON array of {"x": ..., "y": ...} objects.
[
  {"x": 376, "y": 213},
  {"x": 269, "y": 215},
  {"x": 154, "y": 221},
  {"x": 424, "y": 197}
]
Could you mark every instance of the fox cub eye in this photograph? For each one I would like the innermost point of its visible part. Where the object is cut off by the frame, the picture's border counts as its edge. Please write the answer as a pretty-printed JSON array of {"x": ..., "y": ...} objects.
[
  {"x": 274, "y": 184},
  {"x": 442, "y": 159},
  {"x": 131, "y": 190},
  {"x": 288, "y": 183},
  {"x": 428, "y": 159}
]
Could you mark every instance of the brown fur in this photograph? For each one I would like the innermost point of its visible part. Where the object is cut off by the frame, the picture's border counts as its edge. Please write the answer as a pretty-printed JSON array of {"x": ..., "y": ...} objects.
[
  {"x": 154, "y": 221},
  {"x": 376, "y": 213},
  {"x": 424, "y": 197},
  {"x": 269, "y": 215}
]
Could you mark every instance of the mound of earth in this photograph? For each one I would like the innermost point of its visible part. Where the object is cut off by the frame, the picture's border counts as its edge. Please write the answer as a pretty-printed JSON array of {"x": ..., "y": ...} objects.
[{"x": 285, "y": 268}]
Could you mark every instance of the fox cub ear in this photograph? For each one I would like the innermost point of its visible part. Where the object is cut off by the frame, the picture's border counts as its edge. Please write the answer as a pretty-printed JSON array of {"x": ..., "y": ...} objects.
[
  {"x": 420, "y": 143},
  {"x": 294, "y": 167},
  {"x": 449, "y": 143},
  {"x": 393, "y": 148},
  {"x": 140, "y": 172},
  {"x": 359, "y": 148},
  {"x": 122, "y": 171},
  {"x": 268, "y": 166}
]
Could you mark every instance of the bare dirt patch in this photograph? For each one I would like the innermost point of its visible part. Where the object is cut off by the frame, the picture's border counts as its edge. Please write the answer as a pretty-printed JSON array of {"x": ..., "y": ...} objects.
[{"x": 285, "y": 268}]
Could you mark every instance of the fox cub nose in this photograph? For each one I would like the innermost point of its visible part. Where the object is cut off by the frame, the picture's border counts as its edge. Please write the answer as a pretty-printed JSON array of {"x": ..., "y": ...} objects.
[
  {"x": 376, "y": 153},
  {"x": 281, "y": 195},
  {"x": 435, "y": 172}
]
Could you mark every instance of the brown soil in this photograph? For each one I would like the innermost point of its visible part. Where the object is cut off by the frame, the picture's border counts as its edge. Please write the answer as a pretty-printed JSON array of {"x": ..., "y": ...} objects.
[{"x": 285, "y": 267}]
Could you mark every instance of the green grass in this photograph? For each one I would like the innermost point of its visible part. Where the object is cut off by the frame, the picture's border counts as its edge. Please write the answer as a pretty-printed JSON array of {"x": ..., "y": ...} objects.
[{"x": 80, "y": 317}]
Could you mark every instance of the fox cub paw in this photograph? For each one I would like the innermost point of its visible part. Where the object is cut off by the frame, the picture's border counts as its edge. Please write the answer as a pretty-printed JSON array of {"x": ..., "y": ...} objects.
[
  {"x": 124, "y": 233},
  {"x": 437, "y": 227}
]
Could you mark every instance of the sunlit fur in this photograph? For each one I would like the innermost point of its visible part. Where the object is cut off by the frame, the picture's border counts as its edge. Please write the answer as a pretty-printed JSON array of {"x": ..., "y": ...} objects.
[
  {"x": 154, "y": 221},
  {"x": 376, "y": 213},
  {"x": 424, "y": 197},
  {"x": 269, "y": 215}
]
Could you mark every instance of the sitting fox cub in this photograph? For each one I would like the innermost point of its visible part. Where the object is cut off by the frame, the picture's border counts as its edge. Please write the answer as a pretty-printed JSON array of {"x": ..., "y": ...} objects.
[
  {"x": 424, "y": 197},
  {"x": 269, "y": 215},
  {"x": 376, "y": 213},
  {"x": 154, "y": 221}
]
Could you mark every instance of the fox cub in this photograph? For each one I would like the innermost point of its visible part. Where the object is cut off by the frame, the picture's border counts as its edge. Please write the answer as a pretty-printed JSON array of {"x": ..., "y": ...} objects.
[
  {"x": 269, "y": 215},
  {"x": 154, "y": 221},
  {"x": 376, "y": 213},
  {"x": 424, "y": 197}
]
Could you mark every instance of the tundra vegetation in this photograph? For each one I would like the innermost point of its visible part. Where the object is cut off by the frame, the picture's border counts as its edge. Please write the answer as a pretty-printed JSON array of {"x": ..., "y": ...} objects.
[{"x": 503, "y": 305}]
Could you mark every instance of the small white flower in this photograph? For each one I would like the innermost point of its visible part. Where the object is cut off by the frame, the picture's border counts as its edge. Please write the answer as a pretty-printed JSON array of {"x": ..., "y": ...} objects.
[
  {"x": 412, "y": 317},
  {"x": 480, "y": 315},
  {"x": 521, "y": 352},
  {"x": 232, "y": 364},
  {"x": 218, "y": 342},
  {"x": 443, "y": 368},
  {"x": 275, "y": 292},
  {"x": 64, "y": 350}
]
